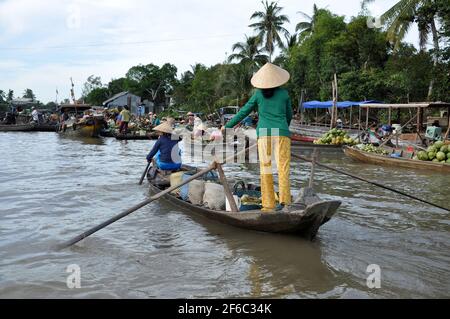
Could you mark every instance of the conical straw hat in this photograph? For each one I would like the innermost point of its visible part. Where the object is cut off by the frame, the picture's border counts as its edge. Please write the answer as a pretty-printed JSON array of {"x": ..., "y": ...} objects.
[
  {"x": 270, "y": 76},
  {"x": 164, "y": 127}
]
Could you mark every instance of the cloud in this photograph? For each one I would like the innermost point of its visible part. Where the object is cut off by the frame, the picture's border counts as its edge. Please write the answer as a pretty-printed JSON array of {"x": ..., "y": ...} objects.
[{"x": 60, "y": 39}]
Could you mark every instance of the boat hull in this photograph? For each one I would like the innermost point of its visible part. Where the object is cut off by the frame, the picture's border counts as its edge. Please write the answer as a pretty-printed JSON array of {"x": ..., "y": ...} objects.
[
  {"x": 45, "y": 128},
  {"x": 306, "y": 141},
  {"x": 303, "y": 222},
  {"x": 91, "y": 129},
  {"x": 17, "y": 128},
  {"x": 399, "y": 162}
]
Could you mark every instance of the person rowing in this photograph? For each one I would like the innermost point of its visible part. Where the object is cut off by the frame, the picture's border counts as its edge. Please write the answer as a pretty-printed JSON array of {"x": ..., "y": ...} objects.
[
  {"x": 166, "y": 152},
  {"x": 274, "y": 108}
]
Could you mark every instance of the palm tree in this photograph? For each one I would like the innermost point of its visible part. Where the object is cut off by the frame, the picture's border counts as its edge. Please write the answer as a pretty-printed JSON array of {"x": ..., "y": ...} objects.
[
  {"x": 248, "y": 52},
  {"x": 291, "y": 42},
  {"x": 305, "y": 28},
  {"x": 399, "y": 20},
  {"x": 270, "y": 26}
]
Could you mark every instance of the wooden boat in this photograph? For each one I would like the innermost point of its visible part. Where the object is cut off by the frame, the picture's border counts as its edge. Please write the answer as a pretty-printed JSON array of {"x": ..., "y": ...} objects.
[
  {"x": 17, "y": 127},
  {"x": 89, "y": 127},
  {"x": 133, "y": 136},
  {"x": 377, "y": 159},
  {"x": 307, "y": 141},
  {"x": 303, "y": 220},
  {"x": 46, "y": 127}
]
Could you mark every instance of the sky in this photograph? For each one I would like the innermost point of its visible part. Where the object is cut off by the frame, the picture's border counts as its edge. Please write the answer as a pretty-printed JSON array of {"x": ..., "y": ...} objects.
[{"x": 44, "y": 43}]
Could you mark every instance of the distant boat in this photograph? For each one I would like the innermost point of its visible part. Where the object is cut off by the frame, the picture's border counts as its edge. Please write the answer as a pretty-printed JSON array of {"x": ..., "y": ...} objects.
[
  {"x": 17, "y": 127},
  {"x": 378, "y": 159},
  {"x": 89, "y": 126}
]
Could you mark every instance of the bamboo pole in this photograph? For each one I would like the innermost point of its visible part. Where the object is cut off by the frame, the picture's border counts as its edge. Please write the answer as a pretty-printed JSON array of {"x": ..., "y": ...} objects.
[
  {"x": 226, "y": 187},
  {"x": 367, "y": 118}
]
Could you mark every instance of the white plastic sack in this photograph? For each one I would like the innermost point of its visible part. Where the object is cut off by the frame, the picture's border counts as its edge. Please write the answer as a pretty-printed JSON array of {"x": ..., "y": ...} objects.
[
  {"x": 196, "y": 192},
  {"x": 214, "y": 197}
]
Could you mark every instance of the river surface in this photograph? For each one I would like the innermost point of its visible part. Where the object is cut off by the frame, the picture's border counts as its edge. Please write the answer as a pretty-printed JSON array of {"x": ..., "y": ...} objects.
[{"x": 53, "y": 188}]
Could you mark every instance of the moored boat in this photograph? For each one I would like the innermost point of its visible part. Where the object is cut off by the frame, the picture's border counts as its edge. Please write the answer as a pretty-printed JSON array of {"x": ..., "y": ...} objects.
[
  {"x": 303, "y": 220},
  {"x": 307, "y": 141},
  {"x": 134, "y": 136},
  {"x": 45, "y": 127},
  {"x": 90, "y": 125},
  {"x": 17, "y": 127},
  {"x": 379, "y": 159}
]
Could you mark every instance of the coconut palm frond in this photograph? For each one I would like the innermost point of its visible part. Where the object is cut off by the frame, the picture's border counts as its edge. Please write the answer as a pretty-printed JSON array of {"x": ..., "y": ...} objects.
[
  {"x": 306, "y": 16},
  {"x": 303, "y": 26}
]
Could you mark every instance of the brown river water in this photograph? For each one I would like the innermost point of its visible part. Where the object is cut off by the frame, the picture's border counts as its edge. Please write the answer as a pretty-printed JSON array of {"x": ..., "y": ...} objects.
[{"x": 53, "y": 188}]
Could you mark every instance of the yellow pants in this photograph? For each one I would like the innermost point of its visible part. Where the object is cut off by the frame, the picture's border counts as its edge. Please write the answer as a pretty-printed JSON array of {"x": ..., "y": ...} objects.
[{"x": 280, "y": 146}]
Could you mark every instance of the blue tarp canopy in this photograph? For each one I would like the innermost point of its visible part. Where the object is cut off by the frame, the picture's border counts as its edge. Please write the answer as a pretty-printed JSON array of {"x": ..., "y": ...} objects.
[{"x": 328, "y": 104}]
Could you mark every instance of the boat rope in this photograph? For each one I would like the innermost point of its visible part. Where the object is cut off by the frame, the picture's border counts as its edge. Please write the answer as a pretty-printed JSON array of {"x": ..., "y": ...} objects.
[{"x": 303, "y": 158}]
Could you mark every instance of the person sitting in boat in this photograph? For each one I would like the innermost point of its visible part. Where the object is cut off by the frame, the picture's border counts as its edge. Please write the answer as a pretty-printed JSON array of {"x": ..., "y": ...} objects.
[
  {"x": 274, "y": 108},
  {"x": 166, "y": 152}
]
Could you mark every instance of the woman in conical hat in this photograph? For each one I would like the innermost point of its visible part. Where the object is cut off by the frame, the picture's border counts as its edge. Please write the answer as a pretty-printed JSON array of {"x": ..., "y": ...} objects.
[
  {"x": 274, "y": 108},
  {"x": 165, "y": 151}
]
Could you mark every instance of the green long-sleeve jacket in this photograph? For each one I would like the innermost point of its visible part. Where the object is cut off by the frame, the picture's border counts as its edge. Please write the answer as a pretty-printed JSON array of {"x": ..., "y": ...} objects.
[{"x": 273, "y": 113}]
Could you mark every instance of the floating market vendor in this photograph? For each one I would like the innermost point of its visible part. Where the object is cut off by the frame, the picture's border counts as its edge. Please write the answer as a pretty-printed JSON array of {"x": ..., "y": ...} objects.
[
  {"x": 156, "y": 121},
  {"x": 165, "y": 152},
  {"x": 274, "y": 108},
  {"x": 125, "y": 119}
]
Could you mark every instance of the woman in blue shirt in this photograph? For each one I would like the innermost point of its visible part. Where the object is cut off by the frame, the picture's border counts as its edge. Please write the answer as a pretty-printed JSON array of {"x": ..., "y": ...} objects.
[{"x": 166, "y": 151}]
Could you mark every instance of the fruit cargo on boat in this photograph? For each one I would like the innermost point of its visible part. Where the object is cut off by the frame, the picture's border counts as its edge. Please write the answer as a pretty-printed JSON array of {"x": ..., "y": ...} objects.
[{"x": 391, "y": 157}]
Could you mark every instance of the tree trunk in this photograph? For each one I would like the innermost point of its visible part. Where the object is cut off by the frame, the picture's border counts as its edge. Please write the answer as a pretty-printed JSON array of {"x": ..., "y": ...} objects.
[{"x": 435, "y": 57}]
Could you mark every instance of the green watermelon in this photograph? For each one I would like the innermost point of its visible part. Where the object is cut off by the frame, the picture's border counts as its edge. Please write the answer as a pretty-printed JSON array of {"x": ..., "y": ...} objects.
[
  {"x": 440, "y": 156},
  {"x": 438, "y": 144},
  {"x": 444, "y": 149},
  {"x": 423, "y": 156},
  {"x": 432, "y": 149},
  {"x": 436, "y": 160},
  {"x": 431, "y": 155}
]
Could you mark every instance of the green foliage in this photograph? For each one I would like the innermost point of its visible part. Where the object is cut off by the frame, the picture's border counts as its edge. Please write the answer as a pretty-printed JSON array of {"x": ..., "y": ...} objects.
[
  {"x": 151, "y": 81},
  {"x": 28, "y": 93},
  {"x": 97, "y": 96}
]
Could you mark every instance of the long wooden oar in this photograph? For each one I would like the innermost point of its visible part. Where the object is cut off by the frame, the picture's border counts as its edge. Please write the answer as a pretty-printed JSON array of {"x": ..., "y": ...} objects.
[
  {"x": 145, "y": 173},
  {"x": 89, "y": 232},
  {"x": 370, "y": 182}
]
